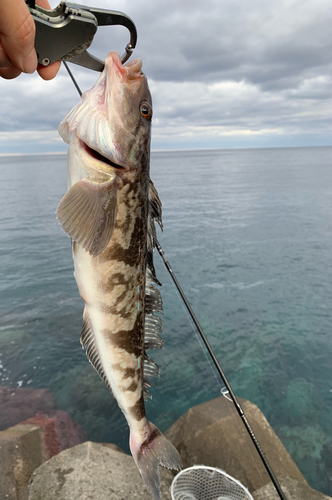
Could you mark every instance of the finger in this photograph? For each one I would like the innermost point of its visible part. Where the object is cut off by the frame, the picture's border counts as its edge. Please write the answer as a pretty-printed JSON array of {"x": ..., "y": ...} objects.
[
  {"x": 7, "y": 69},
  {"x": 17, "y": 30},
  {"x": 49, "y": 72}
]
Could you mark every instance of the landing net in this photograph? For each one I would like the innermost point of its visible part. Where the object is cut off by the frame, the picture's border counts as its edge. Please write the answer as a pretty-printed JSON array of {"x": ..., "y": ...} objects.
[{"x": 207, "y": 483}]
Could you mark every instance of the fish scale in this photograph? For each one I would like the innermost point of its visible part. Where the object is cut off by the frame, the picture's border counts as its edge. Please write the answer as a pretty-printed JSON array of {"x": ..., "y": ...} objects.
[{"x": 109, "y": 212}]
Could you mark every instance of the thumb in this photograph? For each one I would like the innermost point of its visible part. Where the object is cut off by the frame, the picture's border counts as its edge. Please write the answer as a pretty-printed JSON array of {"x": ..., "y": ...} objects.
[{"x": 17, "y": 34}]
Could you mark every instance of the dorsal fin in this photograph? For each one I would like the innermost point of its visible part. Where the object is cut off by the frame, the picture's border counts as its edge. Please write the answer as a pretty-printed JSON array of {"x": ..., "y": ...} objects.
[
  {"x": 153, "y": 300},
  {"x": 151, "y": 369},
  {"x": 155, "y": 209},
  {"x": 155, "y": 214}
]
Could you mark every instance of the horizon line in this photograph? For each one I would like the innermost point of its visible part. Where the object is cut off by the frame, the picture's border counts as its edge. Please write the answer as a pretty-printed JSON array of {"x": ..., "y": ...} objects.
[{"x": 166, "y": 150}]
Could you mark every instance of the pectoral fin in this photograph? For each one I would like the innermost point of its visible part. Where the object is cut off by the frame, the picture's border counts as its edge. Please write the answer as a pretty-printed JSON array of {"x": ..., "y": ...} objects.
[{"x": 87, "y": 213}]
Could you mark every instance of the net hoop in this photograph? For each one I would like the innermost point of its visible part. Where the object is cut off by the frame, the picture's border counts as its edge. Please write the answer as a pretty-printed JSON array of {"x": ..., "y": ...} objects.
[{"x": 236, "y": 488}]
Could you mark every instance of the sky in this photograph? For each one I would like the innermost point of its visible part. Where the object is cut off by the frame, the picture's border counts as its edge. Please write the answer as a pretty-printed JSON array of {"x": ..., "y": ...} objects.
[{"x": 222, "y": 73}]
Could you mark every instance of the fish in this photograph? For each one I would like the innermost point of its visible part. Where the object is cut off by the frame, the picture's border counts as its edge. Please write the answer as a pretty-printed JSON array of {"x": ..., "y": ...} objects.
[{"x": 109, "y": 212}]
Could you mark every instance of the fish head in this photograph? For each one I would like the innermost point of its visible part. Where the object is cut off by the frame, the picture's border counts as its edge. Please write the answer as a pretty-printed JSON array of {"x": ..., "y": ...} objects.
[{"x": 113, "y": 119}]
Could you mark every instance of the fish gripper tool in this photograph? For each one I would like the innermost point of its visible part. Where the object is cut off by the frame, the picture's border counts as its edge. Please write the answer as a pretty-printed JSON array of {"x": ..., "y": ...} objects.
[{"x": 66, "y": 32}]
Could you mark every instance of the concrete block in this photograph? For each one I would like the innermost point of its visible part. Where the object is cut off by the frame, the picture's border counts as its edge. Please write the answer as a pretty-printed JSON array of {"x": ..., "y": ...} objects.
[
  {"x": 213, "y": 434},
  {"x": 292, "y": 489},
  {"x": 59, "y": 431},
  {"x": 91, "y": 471},
  {"x": 21, "y": 452}
]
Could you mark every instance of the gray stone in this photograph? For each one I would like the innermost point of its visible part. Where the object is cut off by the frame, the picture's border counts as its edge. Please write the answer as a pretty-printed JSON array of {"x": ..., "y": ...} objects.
[
  {"x": 91, "y": 471},
  {"x": 213, "y": 434},
  {"x": 21, "y": 452},
  {"x": 113, "y": 447},
  {"x": 292, "y": 489}
]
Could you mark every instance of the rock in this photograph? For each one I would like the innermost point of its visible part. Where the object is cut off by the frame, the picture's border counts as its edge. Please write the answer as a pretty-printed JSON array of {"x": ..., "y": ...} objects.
[
  {"x": 21, "y": 452},
  {"x": 18, "y": 404},
  {"x": 91, "y": 471},
  {"x": 212, "y": 434},
  {"x": 27, "y": 445},
  {"x": 59, "y": 431},
  {"x": 292, "y": 489},
  {"x": 113, "y": 447}
]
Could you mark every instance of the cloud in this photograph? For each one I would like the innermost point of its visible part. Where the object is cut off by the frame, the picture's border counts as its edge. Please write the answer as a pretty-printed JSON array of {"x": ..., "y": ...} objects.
[
  {"x": 26, "y": 141},
  {"x": 258, "y": 70}
]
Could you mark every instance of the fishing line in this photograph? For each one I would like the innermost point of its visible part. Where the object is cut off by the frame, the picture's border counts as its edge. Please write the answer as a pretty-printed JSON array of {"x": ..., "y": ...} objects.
[
  {"x": 223, "y": 390},
  {"x": 73, "y": 79},
  {"x": 200, "y": 342},
  {"x": 223, "y": 377},
  {"x": 214, "y": 359}
]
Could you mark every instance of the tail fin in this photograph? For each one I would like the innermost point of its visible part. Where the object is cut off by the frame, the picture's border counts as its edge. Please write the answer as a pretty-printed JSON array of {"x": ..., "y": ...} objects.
[{"x": 155, "y": 450}]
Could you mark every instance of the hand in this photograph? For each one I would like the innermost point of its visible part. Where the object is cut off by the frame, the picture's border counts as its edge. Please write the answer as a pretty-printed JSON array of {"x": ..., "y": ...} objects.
[{"x": 17, "y": 39}]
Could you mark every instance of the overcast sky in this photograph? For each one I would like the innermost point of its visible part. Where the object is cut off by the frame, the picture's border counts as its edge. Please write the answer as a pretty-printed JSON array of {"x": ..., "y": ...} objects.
[{"x": 222, "y": 73}]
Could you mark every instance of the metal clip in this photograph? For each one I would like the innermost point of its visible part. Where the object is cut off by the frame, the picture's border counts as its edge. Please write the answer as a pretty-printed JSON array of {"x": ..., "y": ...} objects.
[
  {"x": 224, "y": 391},
  {"x": 66, "y": 32}
]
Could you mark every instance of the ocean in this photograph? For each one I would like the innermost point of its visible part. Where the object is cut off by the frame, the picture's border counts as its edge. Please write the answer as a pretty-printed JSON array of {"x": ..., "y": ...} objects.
[{"x": 248, "y": 234}]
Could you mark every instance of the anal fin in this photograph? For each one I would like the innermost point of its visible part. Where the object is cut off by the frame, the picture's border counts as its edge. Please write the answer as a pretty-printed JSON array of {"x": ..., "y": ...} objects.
[{"x": 88, "y": 343}]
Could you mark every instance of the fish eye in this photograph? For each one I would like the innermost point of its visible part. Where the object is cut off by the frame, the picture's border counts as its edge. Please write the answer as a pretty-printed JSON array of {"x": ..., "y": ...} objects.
[{"x": 146, "y": 110}]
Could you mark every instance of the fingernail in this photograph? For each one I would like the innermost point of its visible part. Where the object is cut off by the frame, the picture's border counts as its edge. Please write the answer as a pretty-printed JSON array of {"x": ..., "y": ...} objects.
[
  {"x": 5, "y": 62},
  {"x": 30, "y": 62}
]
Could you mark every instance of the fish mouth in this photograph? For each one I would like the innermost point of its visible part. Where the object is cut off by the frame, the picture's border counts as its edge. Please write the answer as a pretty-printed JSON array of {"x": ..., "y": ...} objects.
[
  {"x": 134, "y": 69},
  {"x": 130, "y": 73},
  {"x": 97, "y": 156}
]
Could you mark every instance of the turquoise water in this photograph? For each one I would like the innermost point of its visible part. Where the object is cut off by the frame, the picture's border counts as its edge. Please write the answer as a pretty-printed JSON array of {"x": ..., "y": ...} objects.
[{"x": 248, "y": 234}]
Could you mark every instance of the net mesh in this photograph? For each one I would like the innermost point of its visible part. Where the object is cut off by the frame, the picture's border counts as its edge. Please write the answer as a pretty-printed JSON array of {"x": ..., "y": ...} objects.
[{"x": 207, "y": 483}]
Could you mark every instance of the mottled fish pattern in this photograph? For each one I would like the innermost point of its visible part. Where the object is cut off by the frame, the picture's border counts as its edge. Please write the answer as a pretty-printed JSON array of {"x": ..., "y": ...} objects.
[{"x": 109, "y": 211}]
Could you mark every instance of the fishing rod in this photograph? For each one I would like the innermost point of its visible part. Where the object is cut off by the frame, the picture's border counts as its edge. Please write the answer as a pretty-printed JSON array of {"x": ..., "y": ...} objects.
[
  {"x": 234, "y": 399},
  {"x": 223, "y": 377}
]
